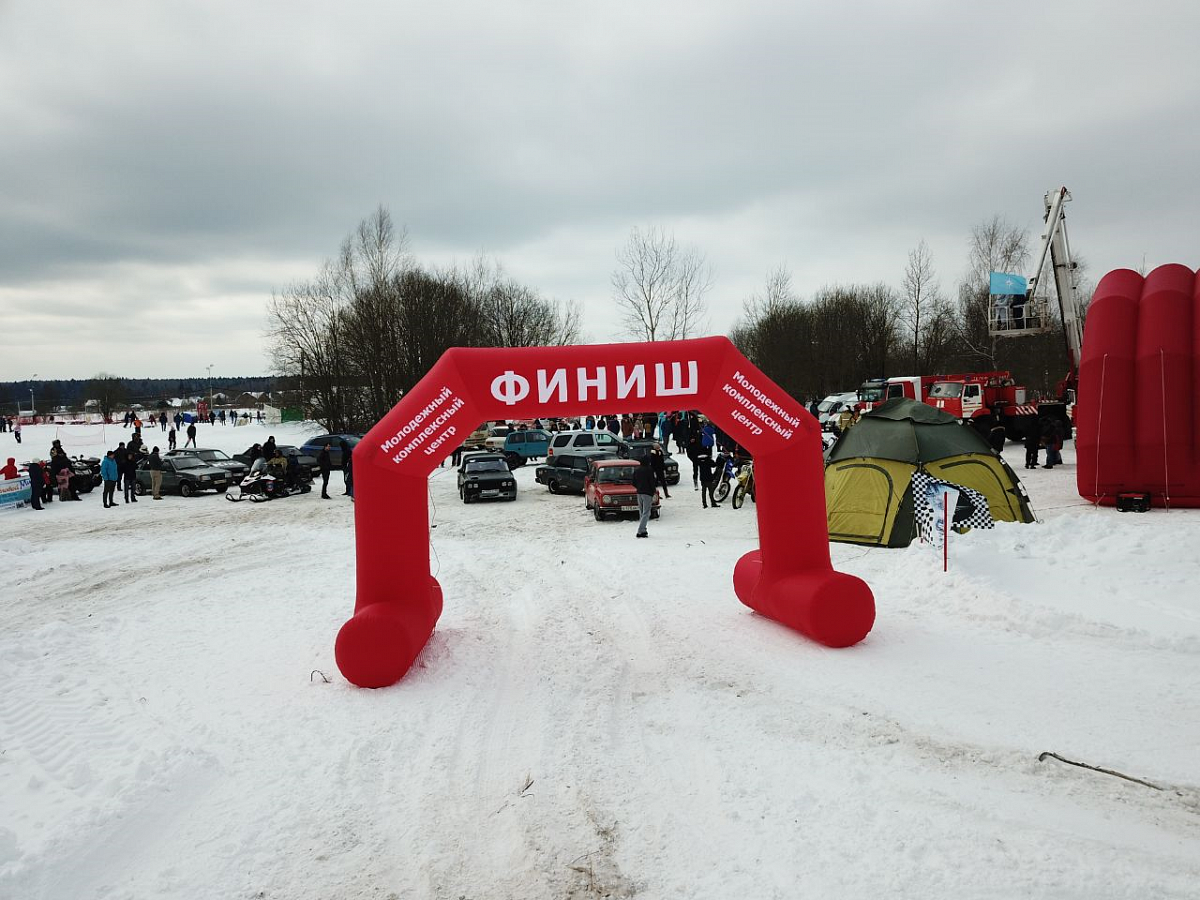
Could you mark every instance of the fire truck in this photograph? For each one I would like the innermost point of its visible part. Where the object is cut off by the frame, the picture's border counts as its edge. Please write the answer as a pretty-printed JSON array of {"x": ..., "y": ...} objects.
[{"x": 973, "y": 395}]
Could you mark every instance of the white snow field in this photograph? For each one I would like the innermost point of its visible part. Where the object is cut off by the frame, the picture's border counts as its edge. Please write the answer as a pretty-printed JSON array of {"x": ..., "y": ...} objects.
[{"x": 595, "y": 716}]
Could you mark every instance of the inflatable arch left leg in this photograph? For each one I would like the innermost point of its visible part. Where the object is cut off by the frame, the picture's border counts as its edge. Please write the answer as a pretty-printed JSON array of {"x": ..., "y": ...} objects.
[{"x": 789, "y": 578}]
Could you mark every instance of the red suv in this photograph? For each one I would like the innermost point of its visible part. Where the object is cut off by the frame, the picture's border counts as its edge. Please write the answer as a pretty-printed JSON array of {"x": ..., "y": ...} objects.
[{"x": 608, "y": 488}]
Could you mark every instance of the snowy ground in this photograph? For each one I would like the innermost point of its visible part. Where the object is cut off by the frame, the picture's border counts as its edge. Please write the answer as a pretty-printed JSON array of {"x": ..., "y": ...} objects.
[{"x": 595, "y": 716}]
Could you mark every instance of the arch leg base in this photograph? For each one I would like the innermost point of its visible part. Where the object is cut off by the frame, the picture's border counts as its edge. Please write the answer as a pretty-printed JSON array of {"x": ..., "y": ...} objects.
[
  {"x": 378, "y": 644},
  {"x": 832, "y": 608}
]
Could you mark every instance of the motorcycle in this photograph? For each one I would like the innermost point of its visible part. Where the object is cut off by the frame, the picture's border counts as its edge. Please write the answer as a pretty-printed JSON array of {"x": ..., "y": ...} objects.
[
  {"x": 262, "y": 486},
  {"x": 745, "y": 480},
  {"x": 725, "y": 479}
]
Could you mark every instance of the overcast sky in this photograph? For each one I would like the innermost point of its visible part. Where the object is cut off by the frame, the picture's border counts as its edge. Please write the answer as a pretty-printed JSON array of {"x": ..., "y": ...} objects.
[{"x": 165, "y": 165}]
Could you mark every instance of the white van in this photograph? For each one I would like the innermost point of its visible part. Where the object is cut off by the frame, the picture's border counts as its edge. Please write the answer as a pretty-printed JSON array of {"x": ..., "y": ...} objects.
[{"x": 831, "y": 407}]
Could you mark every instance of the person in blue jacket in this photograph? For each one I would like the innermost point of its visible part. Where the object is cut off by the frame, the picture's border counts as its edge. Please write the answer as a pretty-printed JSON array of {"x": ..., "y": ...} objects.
[{"x": 108, "y": 474}]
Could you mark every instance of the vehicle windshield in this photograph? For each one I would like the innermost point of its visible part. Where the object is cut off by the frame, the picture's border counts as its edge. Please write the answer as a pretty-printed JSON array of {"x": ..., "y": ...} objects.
[
  {"x": 946, "y": 389},
  {"x": 871, "y": 394},
  {"x": 616, "y": 474},
  {"x": 213, "y": 455},
  {"x": 487, "y": 465},
  {"x": 187, "y": 462},
  {"x": 826, "y": 405},
  {"x": 500, "y": 431}
]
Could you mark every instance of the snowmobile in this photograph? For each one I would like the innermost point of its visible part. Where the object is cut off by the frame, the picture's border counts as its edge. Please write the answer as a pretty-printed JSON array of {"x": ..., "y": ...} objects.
[{"x": 261, "y": 486}]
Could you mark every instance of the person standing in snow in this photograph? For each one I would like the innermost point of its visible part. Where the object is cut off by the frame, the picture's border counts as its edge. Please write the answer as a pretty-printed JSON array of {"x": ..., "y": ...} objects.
[
  {"x": 324, "y": 463},
  {"x": 171, "y": 439},
  {"x": 347, "y": 469},
  {"x": 108, "y": 475},
  {"x": 128, "y": 466},
  {"x": 997, "y": 436},
  {"x": 17, "y": 435},
  {"x": 1033, "y": 440},
  {"x": 644, "y": 482},
  {"x": 162, "y": 419},
  {"x": 9, "y": 471},
  {"x": 154, "y": 464},
  {"x": 37, "y": 479},
  {"x": 708, "y": 480},
  {"x": 191, "y": 434}
]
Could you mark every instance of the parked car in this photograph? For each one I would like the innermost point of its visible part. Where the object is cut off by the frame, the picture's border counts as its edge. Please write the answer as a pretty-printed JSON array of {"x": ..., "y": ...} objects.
[
  {"x": 219, "y": 458},
  {"x": 564, "y": 473},
  {"x": 186, "y": 475},
  {"x": 831, "y": 407},
  {"x": 496, "y": 437},
  {"x": 574, "y": 441},
  {"x": 608, "y": 490},
  {"x": 486, "y": 476},
  {"x": 522, "y": 445},
  {"x": 640, "y": 448},
  {"x": 474, "y": 441},
  {"x": 312, "y": 447}
]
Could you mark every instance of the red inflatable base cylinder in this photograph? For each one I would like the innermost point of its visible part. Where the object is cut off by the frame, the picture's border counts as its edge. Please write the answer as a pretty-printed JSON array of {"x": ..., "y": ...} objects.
[
  {"x": 832, "y": 608},
  {"x": 380, "y": 642}
]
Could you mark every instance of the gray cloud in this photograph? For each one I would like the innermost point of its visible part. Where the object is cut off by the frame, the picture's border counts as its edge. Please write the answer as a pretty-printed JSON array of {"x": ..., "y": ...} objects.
[{"x": 183, "y": 159}]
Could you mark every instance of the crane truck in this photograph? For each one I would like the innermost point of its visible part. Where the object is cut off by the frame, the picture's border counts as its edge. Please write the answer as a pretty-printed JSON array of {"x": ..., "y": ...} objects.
[{"x": 984, "y": 393}]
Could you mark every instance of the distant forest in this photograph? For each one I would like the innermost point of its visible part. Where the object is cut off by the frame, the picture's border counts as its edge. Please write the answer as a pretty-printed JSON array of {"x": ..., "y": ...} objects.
[{"x": 48, "y": 395}]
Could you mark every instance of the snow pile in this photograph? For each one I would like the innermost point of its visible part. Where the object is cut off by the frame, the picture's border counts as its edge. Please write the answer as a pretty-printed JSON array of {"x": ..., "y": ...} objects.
[{"x": 595, "y": 715}]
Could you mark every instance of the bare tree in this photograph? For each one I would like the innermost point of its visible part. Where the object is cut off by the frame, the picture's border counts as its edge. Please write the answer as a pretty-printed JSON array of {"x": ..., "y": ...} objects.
[
  {"x": 660, "y": 287},
  {"x": 919, "y": 297}
]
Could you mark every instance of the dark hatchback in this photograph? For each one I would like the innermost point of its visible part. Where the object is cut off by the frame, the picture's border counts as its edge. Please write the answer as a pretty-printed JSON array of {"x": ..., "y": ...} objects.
[
  {"x": 186, "y": 475},
  {"x": 564, "y": 473},
  {"x": 486, "y": 476},
  {"x": 237, "y": 470}
]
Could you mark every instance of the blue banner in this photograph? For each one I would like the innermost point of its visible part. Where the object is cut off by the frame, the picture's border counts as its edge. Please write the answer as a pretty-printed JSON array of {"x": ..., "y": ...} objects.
[
  {"x": 14, "y": 493},
  {"x": 1003, "y": 284}
]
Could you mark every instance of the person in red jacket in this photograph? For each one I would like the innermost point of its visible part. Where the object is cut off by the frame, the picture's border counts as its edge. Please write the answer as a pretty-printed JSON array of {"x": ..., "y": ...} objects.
[{"x": 9, "y": 472}]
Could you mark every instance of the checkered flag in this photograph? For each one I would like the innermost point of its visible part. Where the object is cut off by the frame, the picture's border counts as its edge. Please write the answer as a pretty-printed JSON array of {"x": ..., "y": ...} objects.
[{"x": 970, "y": 507}]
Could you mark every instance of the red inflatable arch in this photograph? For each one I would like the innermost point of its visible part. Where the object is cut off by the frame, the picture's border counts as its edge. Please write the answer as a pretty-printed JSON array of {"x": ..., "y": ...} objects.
[
  {"x": 790, "y": 578},
  {"x": 1136, "y": 423}
]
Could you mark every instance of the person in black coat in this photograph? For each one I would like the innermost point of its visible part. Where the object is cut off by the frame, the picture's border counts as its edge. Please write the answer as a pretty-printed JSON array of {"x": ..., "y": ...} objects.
[
  {"x": 997, "y": 436},
  {"x": 644, "y": 482},
  {"x": 347, "y": 469},
  {"x": 37, "y": 481},
  {"x": 325, "y": 464},
  {"x": 703, "y": 461},
  {"x": 128, "y": 465},
  {"x": 1033, "y": 441}
]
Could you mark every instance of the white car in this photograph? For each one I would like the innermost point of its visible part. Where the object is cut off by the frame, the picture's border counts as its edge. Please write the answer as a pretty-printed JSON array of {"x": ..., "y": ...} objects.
[
  {"x": 495, "y": 439},
  {"x": 831, "y": 407}
]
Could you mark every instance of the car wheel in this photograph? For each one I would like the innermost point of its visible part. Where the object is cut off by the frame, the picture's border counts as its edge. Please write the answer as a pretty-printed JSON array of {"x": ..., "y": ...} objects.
[
  {"x": 599, "y": 515},
  {"x": 654, "y": 513},
  {"x": 553, "y": 485},
  {"x": 139, "y": 489},
  {"x": 186, "y": 489}
]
